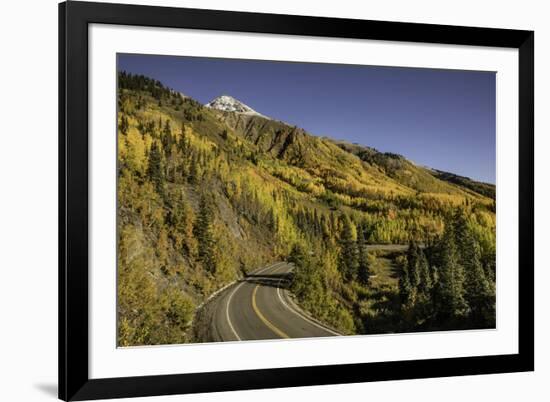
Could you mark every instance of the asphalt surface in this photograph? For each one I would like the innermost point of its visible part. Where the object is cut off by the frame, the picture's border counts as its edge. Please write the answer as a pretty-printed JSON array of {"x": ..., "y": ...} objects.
[
  {"x": 387, "y": 247},
  {"x": 260, "y": 307}
]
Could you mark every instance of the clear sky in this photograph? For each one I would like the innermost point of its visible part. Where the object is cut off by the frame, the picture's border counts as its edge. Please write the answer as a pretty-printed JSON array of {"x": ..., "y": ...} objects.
[{"x": 444, "y": 119}]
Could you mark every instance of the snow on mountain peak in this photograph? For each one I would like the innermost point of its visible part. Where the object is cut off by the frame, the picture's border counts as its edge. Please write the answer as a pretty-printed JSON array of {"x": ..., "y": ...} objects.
[{"x": 227, "y": 103}]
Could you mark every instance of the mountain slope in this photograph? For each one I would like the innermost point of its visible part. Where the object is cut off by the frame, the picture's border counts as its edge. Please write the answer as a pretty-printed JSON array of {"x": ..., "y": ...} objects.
[
  {"x": 486, "y": 189},
  {"x": 417, "y": 177},
  {"x": 298, "y": 148}
]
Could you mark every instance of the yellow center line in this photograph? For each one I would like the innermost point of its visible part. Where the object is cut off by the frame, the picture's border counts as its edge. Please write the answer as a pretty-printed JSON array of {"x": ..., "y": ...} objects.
[{"x": 265, "y": 320}]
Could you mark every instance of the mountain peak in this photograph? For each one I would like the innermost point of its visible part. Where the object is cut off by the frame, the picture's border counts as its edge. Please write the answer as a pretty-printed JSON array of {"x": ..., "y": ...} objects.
[{"x": 227, "y": 103}]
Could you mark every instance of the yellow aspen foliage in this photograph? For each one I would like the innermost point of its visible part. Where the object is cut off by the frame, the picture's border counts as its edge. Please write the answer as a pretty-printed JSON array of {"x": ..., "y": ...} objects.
[
  {"x": 122, "y": 148},
  {"x": 136, "y": 148}
]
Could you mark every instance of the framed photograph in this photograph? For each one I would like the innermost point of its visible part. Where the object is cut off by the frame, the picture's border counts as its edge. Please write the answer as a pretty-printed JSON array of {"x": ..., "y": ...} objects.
[{"x": 257, "y": 201}]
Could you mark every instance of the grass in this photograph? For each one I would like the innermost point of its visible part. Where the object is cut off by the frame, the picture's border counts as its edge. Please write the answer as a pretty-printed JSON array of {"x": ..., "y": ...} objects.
[{"x": 384, "y": 270}]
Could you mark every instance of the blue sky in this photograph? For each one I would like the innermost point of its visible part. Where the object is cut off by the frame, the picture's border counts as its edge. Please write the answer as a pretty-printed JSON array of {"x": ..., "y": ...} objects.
[{"x": 444, "y": 119}]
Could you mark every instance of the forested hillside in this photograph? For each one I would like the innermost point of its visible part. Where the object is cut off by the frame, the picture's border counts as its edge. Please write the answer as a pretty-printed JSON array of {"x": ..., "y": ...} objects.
[{"x": 205, "y": 196}]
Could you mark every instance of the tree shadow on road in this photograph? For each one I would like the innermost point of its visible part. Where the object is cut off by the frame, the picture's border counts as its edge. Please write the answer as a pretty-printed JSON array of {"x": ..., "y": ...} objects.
[{"x": 276, "y": 280}]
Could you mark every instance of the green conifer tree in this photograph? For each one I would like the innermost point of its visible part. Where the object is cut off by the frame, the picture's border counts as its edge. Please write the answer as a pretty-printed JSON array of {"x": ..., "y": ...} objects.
[
  {"x": 193, "y": 176},
  {"x": 364, "y": 270},
  {"x": 349, "y": 254},
  {"x": 425, "y": 276},
  {"x": 479, "y": 290},
  {"x": 406, "y": 290},
  {"x": 450, "y": 289},
  {"x": 204, "y": 234},
  {"x": 297, "y": 255},
  {"x": 413, "y": 257},
  {"x": 155, "y": 170}
]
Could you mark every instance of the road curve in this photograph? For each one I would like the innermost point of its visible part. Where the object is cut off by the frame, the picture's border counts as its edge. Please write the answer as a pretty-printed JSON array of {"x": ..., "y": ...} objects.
[{"x": 259, "y": 307}]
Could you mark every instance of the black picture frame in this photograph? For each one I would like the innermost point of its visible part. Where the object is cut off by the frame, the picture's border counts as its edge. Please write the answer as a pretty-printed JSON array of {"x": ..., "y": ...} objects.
[{"x": 74, "y": 381}]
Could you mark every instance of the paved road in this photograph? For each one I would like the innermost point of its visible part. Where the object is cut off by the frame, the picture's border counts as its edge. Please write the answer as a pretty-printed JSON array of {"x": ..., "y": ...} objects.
[
  {"x": 387, "y": 247},
  {"x": 259, "y": 307}
]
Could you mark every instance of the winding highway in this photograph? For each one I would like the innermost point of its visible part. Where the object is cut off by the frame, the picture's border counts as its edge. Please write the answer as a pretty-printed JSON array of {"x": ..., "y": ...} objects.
[{"x": 259, "y": 307}]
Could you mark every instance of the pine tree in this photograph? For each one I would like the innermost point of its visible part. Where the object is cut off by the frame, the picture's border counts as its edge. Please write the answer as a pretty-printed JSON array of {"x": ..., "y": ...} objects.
[
  {"x": 193, "y": 176},
  {"x": 425, "y": 276},
  {"x": 306, "y": 279},
  {"x": 155, "y": 170},
  {"x": 167, "y": 139},
  {"x": 172, "y": 165},
  {"x": 450, "y": 289},
  {"x": 489, "y": 265},
  {"x": 204, "y": 234},
  {"x": 349, "y": 254},
  {"x": 364, "y": 271},
  {"x": 406, "y": 291},
  {"x": 479, "y": 291},
  {"x": 410, "y": 276},
  {"x": 413, "y": 257},
  {"x": 297, "y": 255}
]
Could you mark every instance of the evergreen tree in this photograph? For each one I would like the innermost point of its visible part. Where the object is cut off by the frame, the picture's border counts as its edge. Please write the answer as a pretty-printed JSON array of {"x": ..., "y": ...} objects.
[
  {"x": 410, "y": 277},
  {"x": 193, "y": 176},
  {"x": 204, "y": 234},
  {"x": 450, "y": 289},
  {"x": 479, "y": 290},
  {"x": 306, "y": 281},
  {"x": 462, "y": 234},
  {"x": 406, "y": 290},
  {"x": 425, "y": 276},
  {"x": 413, "y": 257},
  {"x": 363, "y": 259},
  {"x": 349, "y": 254},
  {"x": 489, "y": 265},
  {"x": 167, "y": 139},
  {"x": 155, "y": 170},
  {"x": 297, "y": 255}
]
